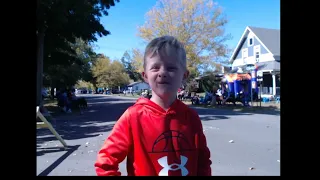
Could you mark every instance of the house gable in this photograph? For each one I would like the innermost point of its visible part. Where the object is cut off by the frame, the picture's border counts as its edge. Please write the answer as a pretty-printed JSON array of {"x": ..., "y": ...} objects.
[
  {"x": 245, "y": 44},
  {"x": 269, "y": 35}
]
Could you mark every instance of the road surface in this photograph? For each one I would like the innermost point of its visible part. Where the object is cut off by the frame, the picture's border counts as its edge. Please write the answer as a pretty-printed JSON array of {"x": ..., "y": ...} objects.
[{"x": 240, "y": 143}]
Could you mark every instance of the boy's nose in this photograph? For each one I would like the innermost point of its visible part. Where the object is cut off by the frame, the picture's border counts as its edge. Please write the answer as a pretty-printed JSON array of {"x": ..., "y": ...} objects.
[{"x": 162, "y": 73}]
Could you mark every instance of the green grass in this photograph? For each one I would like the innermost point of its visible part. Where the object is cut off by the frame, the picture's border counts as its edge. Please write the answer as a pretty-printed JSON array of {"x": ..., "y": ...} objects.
[
  {"x": 54, "y": 110},
  {"x": 51, "y": 106}
]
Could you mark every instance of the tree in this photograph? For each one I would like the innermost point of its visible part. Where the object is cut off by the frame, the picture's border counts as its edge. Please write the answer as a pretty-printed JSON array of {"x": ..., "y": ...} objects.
[
  {"x": 131, "y": 65},
  {"x": 62, "y": 75},
  {"x": 137, "y": 60},
  {"x": 109, "y": 74},
  {"x": 126, "y": 61},
  {"x": 84, "y": 52},
  {"x": 100, "y": 71},
  {"x": 198, "y": 24},
  {"x": 118, "y": 75},
  {"x": 84, "y": 84},
  {"x": 59, "y": 23}
]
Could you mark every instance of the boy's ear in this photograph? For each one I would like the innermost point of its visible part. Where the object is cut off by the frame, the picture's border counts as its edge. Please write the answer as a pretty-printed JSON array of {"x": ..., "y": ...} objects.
[{"x": 145, "y": 78}]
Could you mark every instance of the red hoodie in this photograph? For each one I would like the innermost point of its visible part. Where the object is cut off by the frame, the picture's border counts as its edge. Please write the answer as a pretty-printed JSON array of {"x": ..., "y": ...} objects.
[{"x": 156, "y": 142}]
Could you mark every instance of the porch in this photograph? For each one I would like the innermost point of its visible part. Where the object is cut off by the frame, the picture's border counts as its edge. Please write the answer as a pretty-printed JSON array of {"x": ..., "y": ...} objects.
[
  {"x": 270, "y": 84},
  {"x": 271, "y": 78}
]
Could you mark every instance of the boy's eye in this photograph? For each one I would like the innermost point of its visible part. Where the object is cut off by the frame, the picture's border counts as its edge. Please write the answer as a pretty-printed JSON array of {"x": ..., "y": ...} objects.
[{"x": 154, "y": 67}]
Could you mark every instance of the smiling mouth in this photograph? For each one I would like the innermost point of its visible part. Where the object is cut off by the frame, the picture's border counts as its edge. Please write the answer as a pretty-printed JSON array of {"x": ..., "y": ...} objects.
[{"x": 163, "y": 83}]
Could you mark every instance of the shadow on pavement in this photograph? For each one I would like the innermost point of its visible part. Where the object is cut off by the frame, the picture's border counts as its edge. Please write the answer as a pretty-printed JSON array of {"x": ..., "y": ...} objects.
[
  {"x": 103, "y": 112},
  {"x": 97, "y": 119},
  {"x": 69, "y": 151},
  {"x": 44, "y": 150},
  {"x": 212, "y": 117},
  {"x": 72, "y": 131}
]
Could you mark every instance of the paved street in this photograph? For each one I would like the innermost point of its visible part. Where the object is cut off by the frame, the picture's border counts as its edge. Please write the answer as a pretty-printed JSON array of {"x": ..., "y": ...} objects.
[{"x": 255, "y": 139}]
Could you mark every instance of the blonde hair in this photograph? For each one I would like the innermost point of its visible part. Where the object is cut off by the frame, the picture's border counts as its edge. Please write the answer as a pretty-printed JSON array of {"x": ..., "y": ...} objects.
[{"x": 170, "y": 45}]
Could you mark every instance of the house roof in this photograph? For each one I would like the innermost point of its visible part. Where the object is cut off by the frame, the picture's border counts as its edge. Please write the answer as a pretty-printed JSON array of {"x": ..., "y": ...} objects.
[
  {"x": 134, "y": 83},
  {"x": 269, "y": 38},
  {"x": 269, "y": 65}
]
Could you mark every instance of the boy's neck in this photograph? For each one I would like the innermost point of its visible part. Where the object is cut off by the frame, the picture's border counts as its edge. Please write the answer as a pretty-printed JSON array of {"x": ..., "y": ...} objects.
[{"x": 164, "y": 103}]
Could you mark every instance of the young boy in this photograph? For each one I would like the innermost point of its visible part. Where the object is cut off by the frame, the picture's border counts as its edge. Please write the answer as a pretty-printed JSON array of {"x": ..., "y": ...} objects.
[{"x": 160, "y": 136}]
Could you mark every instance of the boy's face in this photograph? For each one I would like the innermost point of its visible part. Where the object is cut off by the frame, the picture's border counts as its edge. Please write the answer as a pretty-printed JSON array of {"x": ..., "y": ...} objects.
[{"x": 164, "y": 74}]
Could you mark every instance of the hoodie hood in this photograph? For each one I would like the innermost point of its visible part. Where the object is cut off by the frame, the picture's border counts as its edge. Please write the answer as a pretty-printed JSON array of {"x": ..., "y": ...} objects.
[{"x": 156, "y": 109}]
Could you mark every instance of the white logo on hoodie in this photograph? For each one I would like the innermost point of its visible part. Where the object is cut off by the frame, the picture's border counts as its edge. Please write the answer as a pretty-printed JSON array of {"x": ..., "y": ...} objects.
[{"x": 170, "y": 167}]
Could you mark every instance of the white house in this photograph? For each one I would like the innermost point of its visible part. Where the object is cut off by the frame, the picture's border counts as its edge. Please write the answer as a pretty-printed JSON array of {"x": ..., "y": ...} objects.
[
  {"x": 260, "y": 46},
  {"x": 138, "y": 86}
]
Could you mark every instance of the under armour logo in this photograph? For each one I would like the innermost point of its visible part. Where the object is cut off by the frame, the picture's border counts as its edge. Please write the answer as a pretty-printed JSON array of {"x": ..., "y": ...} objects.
[{"x": 173, "y": 167}]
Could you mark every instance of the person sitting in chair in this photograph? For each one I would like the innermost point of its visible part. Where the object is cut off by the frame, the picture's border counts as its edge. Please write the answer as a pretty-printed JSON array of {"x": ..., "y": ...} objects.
[{"x": 195, "y": 99}]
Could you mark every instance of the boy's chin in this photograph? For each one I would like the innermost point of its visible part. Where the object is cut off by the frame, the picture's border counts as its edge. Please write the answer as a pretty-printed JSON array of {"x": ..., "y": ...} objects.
[{"x": 165, "y": 94}]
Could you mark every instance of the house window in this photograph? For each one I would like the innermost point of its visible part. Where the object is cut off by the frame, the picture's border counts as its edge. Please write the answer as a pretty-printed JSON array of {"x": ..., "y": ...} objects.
[
  {"x": 250, "y": 41},
  {"x": 257, "y": 52},
  {"x": 244, "y": 55},
  {"x": 257, "y": 56}
]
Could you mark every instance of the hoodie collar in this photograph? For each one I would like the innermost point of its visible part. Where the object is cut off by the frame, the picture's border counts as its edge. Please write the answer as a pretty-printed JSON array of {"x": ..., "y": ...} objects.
[{"x": 155, "y": 108}]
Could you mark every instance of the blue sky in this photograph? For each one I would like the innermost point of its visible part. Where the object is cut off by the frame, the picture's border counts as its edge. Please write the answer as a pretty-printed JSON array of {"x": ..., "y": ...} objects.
[{"x": 126, "y": 15}]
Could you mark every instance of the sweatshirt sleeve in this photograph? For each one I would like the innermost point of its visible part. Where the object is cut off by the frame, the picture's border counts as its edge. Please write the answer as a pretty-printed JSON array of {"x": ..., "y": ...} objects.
[
  {"x": 204, "y": 162},
  {"x": 115, "y": 148}
]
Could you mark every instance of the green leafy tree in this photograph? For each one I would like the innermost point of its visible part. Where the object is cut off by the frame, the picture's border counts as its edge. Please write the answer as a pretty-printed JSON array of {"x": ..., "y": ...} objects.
[
  {"x": 109, "y": 74},
  {"x": 59, "y": 23},
  {"x": 127, "y": 62}
]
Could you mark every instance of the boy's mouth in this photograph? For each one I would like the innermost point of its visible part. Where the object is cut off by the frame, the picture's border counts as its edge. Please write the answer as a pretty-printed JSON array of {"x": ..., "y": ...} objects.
[{"x": 163, "y": 82}]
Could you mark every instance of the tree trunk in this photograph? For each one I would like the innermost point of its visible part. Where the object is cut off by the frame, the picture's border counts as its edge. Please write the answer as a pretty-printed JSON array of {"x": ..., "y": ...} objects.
[{"x": 40, "y": 41}]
